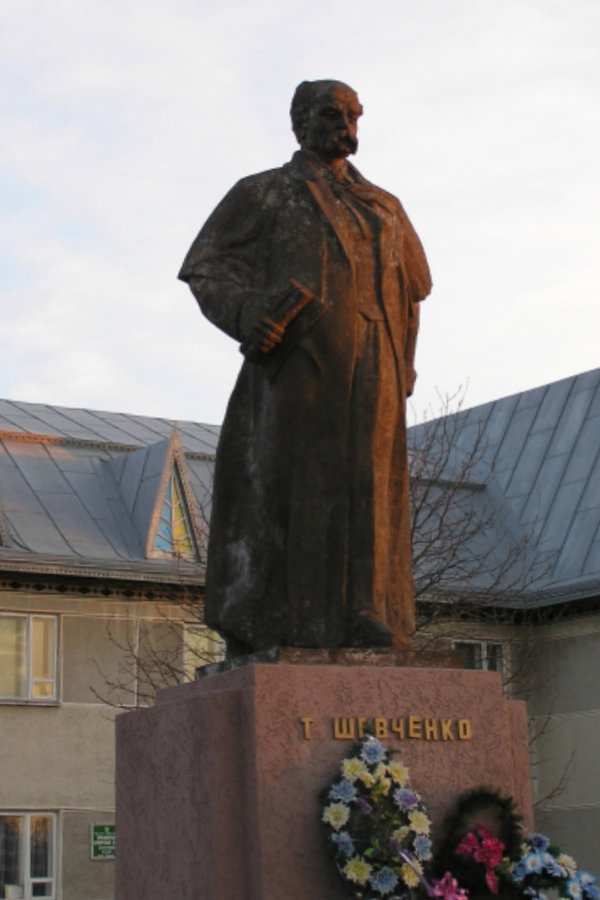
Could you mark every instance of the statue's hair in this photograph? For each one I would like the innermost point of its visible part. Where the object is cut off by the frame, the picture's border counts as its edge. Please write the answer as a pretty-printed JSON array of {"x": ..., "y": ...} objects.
[{"x": 303, "y": 99}]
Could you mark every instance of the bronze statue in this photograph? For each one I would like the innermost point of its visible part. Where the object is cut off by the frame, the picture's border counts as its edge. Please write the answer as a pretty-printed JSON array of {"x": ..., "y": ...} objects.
[{"x": 318, "y": 274}]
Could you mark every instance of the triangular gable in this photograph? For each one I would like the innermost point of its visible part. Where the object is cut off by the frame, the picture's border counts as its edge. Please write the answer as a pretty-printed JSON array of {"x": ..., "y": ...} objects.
[
  {"x": 155, "y": 488},
  {"x": 174, "y": 533}
]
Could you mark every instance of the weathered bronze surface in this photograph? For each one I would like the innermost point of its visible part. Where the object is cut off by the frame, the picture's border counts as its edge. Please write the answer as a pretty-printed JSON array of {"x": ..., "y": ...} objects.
[{"x": 318, "y": 274}]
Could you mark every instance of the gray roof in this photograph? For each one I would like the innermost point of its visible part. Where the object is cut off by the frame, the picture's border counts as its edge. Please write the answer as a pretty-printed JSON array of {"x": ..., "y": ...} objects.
[
  {"x": 80, "y": 491},
  {"x": 517, "y": 482},
  {"x": 535, "y": 477}
]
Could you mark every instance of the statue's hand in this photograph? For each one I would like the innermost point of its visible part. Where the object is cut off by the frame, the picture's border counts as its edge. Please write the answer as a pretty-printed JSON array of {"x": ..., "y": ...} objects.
[
  {"x": 262, "y": 334},
  {"x": 265, "y": 336},
  {"x": 264, "y": 327}
]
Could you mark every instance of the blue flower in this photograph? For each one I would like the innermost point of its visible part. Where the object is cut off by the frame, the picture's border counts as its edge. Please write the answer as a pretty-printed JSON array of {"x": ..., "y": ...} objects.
[
  {"x": 384, "y": 881},
  {"x": 574, "y": 889},
  {"x": 539, "y": 841},
  {"x": 373, "y": 751},
  {"x": 552, "y": 866},
  {"x": 344, "y": 843},
  {"x": 532, "y": 863},
  {"x": 344, "y": 790},
  {"x": 519, "y": 871},
  {"x": 422, "y": 847},
  {"x": 589, "y": 885},
  {"x": 534, "y": 893},
  {"x": 404, "y": 798}
]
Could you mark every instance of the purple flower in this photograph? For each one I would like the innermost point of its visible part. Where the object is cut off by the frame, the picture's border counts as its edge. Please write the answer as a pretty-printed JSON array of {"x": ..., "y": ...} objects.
[
  {"x": 364, "y": 807},
  {"x": 394, "y": 846},
  {"x": 404, "y": 798}
]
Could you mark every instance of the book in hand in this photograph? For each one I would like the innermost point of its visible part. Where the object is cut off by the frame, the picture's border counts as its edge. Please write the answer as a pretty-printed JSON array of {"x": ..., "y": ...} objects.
[{"x": 286, "y": 313}]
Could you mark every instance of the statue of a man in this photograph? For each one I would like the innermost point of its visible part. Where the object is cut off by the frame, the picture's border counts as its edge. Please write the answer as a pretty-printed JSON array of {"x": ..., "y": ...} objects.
[{"x": 318, "y": 274}]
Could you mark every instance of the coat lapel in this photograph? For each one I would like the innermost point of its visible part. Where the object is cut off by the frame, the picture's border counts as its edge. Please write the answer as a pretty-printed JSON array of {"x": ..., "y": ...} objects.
[{"x": 325, "y": 200}]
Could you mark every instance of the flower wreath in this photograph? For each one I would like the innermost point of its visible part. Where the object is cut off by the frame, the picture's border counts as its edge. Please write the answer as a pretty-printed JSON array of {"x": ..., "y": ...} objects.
[
  {"x": 378, "y": 829},
  {"x": 525, "y": 865},
  {"x": 543, "y": 865}
]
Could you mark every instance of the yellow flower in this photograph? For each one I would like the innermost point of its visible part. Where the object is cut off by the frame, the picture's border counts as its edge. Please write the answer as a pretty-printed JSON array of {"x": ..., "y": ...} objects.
[
  {"x": 400, "y": 833},
  {"x": 367, "y": 779},
  {"x": 385, "y": 785},
  {"x": 399, "y": 773},
  {"x": 336, "y": 815},
  {"x": 352, "y": 768},
  {"x": 409, "y": 876},
  {"x": 357, "y": 870},
  {"x": 381, "y": 771},
  {"x": 419, "y": 822},
  {"x": 568, "y": 863}
]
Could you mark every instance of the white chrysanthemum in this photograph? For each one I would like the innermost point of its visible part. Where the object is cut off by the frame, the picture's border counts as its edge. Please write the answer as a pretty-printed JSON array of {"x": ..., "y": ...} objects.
[
  {"x": 353, "y": 768},
  {"x": 336, "y": 815}
]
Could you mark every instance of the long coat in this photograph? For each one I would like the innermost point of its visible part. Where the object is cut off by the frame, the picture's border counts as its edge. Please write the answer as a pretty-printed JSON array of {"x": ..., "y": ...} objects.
[{"x": 280, "y": 550}]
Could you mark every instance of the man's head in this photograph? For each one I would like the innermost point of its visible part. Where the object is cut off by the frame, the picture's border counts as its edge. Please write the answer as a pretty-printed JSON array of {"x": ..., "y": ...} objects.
[{"x": 325, "y": 118}]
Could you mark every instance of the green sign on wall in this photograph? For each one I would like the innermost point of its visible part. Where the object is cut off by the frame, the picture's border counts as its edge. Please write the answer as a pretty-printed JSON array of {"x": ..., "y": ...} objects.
[{"x": 103, "y": 841}]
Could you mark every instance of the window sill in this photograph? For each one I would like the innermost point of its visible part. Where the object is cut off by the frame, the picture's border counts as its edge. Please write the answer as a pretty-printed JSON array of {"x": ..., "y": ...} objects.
[{"x": 18, "y": 701}]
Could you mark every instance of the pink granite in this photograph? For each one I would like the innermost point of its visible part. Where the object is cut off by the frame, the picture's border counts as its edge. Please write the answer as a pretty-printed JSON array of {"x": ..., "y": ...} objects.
[{"x": 217, "y": 783}]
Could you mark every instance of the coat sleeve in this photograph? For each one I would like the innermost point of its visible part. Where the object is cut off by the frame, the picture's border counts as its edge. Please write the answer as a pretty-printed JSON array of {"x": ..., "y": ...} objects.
[
  {"x": 417, "y": 279},
  {"x": 220, "y": 265}
]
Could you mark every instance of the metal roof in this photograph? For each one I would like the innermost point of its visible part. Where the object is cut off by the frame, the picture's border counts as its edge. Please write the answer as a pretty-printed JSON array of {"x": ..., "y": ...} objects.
[
  {"x": 538, "y": 460},
  {"x": 78, "y": 488}
]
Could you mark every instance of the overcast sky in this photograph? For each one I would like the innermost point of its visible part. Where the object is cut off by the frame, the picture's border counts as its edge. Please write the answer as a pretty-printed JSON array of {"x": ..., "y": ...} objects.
[{"x": 123, "y": 122}]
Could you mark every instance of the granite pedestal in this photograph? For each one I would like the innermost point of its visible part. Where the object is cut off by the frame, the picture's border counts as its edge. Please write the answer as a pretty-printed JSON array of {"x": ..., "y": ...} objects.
[{"x": 217, "y": 783}]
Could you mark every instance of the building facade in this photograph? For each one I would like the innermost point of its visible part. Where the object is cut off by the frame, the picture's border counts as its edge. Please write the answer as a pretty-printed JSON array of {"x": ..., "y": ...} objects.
[
  {"x": 102, "y": 535},
  {"x": 101, "y": 566}
]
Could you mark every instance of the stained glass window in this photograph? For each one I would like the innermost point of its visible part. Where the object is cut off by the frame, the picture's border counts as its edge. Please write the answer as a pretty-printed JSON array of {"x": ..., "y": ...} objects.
[{"x": 174, "y": 533}]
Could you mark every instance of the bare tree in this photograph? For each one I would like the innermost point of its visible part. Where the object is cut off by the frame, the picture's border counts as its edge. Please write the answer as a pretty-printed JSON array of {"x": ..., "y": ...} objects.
[{"x": 471, "y": 561}]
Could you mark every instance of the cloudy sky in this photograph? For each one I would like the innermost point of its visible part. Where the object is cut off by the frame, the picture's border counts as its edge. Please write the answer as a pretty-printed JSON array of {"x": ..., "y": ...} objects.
[{"x": 123, "y": 122}]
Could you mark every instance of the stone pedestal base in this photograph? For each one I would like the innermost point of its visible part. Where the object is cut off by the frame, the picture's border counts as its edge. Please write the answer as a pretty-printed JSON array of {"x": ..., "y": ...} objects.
[{"x": 217, "y": 784}]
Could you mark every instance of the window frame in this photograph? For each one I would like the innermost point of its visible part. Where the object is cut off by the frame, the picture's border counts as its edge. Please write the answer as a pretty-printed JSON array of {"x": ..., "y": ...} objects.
[
  {"x": 24, "y": 862},
  {"x": 29, "y": 697},
  {"x": 484, "y": 646}
]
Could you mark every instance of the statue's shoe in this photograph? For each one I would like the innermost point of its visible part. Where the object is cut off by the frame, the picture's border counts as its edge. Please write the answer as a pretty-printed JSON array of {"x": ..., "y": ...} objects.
[{"x": 367, "y": 631}]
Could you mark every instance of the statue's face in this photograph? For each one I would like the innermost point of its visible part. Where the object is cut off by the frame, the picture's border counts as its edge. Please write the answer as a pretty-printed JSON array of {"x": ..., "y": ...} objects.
[{"x": 332, "y": 123}]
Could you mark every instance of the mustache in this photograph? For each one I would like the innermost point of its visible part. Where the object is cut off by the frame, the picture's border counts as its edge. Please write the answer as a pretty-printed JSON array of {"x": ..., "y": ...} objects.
[{"x": 346, "y": 141}]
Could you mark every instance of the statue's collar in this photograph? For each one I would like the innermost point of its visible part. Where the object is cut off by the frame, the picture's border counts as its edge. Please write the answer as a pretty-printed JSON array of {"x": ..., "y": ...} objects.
[{"x": 312, "y": 168}]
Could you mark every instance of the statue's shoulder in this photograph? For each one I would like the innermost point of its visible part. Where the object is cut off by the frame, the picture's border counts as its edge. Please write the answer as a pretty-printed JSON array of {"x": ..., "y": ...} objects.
[{"x": 261, "y": 182}]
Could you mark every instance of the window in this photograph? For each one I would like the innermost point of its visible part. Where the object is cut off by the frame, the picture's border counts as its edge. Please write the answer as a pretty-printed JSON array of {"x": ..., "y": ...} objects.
[
  {"x": 27, "y": 657},
  {"x": 202, "y": 646},
  {"x": 174, "y": 534},
  {"x": 482, "y": 655},
  {"x": 27, "y": 855}
]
